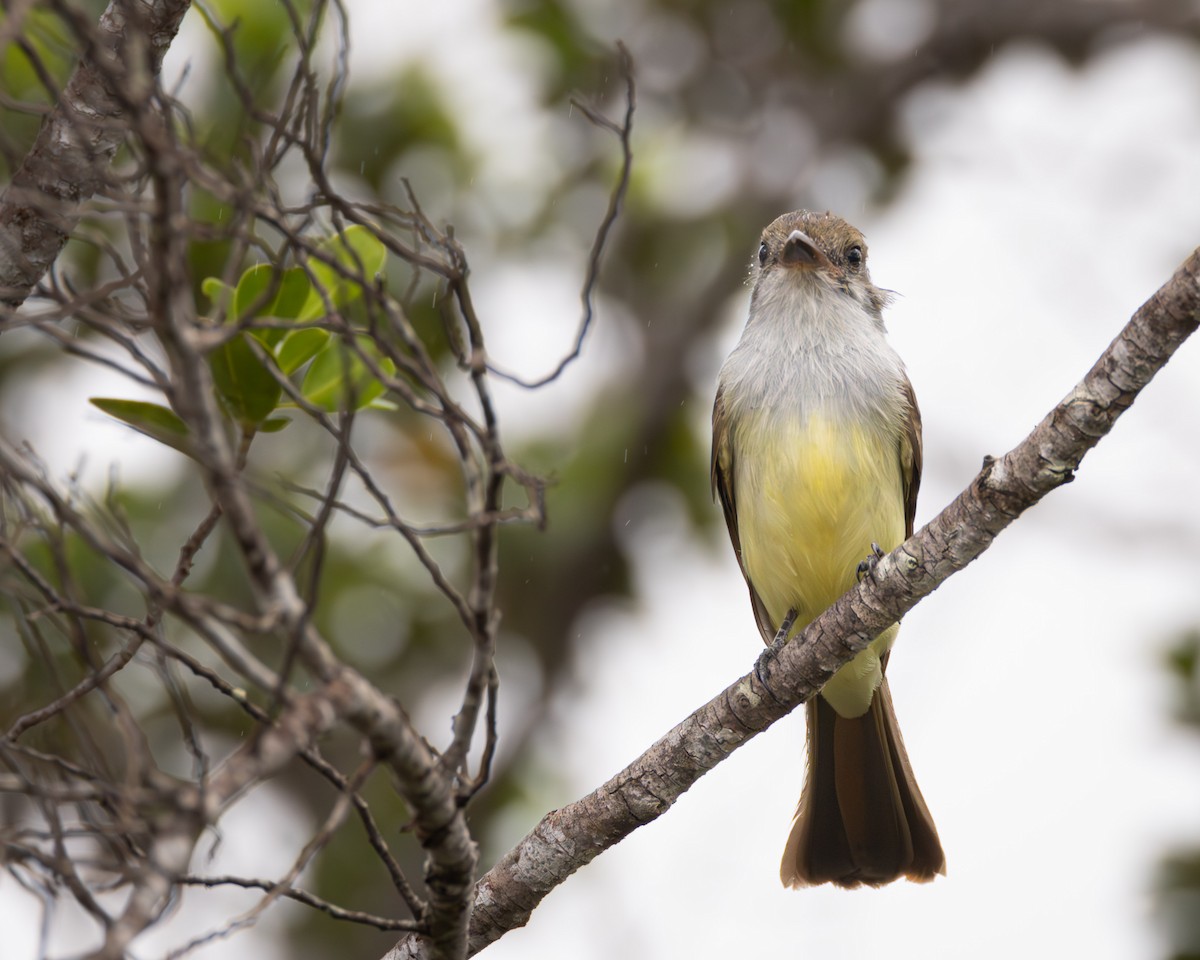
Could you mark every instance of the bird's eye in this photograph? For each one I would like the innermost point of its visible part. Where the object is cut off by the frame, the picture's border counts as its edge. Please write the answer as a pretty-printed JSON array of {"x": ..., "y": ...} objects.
[
  {"x": 762, "y": 254},
  {"x": 854, "y": 256}
]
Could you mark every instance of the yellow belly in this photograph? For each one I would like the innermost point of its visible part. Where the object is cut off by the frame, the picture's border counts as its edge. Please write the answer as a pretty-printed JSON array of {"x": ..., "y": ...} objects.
[{"x": 812, "y": 496}]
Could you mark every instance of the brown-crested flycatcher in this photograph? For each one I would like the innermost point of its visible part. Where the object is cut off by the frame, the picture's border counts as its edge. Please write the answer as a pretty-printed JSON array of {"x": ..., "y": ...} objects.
[{"x": 816, "y": 460}]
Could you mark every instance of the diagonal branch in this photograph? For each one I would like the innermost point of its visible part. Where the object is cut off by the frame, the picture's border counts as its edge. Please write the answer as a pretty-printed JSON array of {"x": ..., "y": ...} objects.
[{"x": 785, "y": 677}]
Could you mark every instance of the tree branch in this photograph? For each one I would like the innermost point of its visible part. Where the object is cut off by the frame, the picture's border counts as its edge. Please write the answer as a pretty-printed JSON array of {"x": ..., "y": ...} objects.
[
  {"x": 75, "y": 145},
  {"x": 785, "y": 677}
]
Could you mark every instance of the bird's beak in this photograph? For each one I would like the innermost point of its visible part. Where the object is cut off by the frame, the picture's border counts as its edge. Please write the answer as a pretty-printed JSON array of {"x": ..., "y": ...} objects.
[{"x": 800, "y": 251}]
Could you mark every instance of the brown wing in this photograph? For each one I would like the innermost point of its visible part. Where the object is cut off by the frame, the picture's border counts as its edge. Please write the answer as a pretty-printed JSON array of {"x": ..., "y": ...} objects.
[
  {"x": 911, "y": 457},
  {"x": 722, "y": 474}
]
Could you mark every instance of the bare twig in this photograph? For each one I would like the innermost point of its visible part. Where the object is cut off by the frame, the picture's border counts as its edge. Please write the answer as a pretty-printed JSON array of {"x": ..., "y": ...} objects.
[
  {"x": 624, "y": 132},
  {"x": 305, "y": 897}
]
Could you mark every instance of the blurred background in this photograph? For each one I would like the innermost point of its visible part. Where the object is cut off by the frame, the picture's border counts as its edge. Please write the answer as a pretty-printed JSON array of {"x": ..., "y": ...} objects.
[{"x": 1026, "y": 175}]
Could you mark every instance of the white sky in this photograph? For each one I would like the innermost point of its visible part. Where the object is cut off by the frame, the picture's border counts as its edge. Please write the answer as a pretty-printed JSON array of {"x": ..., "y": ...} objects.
[{"x": 1044, "y": 205}]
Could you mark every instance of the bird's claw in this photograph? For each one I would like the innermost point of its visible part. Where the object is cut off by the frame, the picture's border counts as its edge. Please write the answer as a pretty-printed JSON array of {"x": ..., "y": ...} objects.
[
  {"x": 869, "y": 563},
  {"x": 785, "y": 629},
  {"x": 781, "y": 637}
]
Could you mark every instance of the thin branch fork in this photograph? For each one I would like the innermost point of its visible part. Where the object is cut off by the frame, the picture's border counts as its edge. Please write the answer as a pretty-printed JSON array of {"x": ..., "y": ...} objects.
[
  {"x": 624, "y": 133},
  {"x": 785, "y": 677}
]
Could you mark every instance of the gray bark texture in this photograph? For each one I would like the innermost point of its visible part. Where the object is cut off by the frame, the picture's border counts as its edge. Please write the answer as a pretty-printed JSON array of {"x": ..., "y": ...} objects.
[{"x": 70, "y": 159}]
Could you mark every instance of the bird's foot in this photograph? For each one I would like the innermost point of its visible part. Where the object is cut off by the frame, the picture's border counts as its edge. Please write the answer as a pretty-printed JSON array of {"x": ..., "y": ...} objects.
[
  {"x": 761, "y": 665},
  {"x": 869, "y": 563},
  {"x": 785, "y": 629},
  {"x": 774, "y": 646}
]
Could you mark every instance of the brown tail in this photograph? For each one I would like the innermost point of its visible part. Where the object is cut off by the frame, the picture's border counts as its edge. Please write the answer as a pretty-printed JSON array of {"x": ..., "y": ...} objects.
[{"x": 862, "y": 819}]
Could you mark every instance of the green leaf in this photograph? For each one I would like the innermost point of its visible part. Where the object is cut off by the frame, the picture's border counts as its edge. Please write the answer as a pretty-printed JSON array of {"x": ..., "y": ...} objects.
[
  {"x": 294, "y": 291},
  {"x": 356, "y": 250},
  {"x": 248, "y": 388},
  {"x": 252, "y": 288},
  {"x": 219, "y": 292},
  {"x": 274, "y": 424},
  {"x": 339, "y": 377},
  {"x": 154, "y": 420},
  {"x": 299, "y": 347}
]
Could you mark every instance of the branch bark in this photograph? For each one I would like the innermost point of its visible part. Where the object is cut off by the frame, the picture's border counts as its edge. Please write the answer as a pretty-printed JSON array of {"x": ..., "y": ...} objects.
[
  {"x": 69, "y": 160},
  {"x": 785, "y": 677}
]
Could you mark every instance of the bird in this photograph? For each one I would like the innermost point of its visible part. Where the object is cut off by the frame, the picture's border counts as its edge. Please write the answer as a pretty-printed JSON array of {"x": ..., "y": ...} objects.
[{"x": 816, "y": 461}]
